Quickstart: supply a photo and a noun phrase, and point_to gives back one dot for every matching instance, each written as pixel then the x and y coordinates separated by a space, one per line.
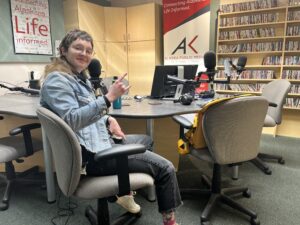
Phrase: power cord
pixel 64 211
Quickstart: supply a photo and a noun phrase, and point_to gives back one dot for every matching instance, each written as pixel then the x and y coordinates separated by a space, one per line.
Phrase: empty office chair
pixel 66 153
pixel 232 131
pixel 13 148
pixel 275 92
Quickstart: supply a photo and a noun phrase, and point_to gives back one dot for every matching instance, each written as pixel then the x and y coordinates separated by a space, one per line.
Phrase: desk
pixel 25 107
pixel 146 110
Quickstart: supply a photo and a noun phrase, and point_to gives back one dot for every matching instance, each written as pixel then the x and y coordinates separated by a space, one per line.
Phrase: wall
pixel 15 68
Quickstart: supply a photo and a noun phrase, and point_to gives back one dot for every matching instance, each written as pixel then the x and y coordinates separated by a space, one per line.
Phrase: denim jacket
pixel 74 101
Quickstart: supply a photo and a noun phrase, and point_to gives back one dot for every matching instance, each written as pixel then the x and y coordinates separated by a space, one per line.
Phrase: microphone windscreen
pixel 94 68
pixel 242 61
pixel 210 60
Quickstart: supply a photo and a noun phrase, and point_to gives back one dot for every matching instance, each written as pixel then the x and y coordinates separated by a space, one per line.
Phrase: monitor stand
pixel 179 90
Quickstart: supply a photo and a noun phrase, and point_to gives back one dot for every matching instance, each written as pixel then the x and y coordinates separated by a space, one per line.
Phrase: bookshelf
pixel 267 32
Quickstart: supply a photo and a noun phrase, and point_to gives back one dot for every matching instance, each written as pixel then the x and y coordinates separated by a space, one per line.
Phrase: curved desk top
pixel 19 105
pixel 149 108
pixel 25 106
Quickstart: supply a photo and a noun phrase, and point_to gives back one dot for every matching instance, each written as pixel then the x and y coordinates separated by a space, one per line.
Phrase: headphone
pixel 185 99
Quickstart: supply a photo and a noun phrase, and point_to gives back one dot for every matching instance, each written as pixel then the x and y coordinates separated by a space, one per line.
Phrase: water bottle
pixel 117 104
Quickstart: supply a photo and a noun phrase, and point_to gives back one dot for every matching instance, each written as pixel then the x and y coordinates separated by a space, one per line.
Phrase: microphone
pixel 240 66
pixel 210 62
pixel 94 69
pixel 210 65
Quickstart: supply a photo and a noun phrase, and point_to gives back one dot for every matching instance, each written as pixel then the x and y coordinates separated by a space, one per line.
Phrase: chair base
pixel 221 195
pixel 259 163
pixel 11 179
pixel 265 156
pixel 101 217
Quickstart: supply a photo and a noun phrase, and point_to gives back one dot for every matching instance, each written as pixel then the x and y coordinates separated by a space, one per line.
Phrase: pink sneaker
pixel 128 203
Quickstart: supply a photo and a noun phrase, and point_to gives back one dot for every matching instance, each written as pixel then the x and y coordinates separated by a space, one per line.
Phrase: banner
pixel 31 26
pixel 186 31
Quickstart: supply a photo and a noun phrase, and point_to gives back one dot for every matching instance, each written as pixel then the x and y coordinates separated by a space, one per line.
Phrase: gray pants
pixel 161 169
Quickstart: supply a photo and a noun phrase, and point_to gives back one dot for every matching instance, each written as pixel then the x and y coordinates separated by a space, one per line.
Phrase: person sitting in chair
pixel 67 92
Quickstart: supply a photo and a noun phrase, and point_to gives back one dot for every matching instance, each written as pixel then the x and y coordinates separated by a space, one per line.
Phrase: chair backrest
pixel 232 129
pixel 66 150
pixel 276 92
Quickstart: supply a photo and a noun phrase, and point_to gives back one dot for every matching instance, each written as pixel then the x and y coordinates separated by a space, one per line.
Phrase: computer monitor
pixel 164 88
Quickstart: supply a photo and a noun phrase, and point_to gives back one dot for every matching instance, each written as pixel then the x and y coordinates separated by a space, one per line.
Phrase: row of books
pixel 221 60
pixel 240 87
pixel 249 19
pixel 249 74
pixel 251 5
pixel 291 74
pixel 294 2
pixel 292 60
pixel 292 45
pixel 251 47
pixel 294 15
pixel 293 30
pixel 249 33
pixel 272 60
pixel 292 102
pixel 295 89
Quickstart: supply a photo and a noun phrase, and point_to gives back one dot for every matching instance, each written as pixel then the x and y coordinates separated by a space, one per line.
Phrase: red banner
pixel 176 12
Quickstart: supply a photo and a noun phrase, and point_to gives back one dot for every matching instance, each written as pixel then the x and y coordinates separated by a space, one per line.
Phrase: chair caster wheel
pixel 139 214
pixel 247 194
pixel 254 221
pixel 3 206
pixel 205 223
pixel 281 161
pixel 268 171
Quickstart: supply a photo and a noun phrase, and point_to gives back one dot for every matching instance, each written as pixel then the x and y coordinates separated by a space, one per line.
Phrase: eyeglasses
pixel 81 49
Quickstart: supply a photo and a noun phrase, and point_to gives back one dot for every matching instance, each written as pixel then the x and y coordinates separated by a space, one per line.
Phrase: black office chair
pixel 232 131
pixel 13 148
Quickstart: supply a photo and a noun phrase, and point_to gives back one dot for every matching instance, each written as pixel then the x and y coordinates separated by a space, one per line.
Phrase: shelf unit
pixel 265 36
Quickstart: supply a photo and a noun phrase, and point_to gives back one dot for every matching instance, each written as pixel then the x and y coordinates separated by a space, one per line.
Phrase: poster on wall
pixel 186 29
pixel 31 27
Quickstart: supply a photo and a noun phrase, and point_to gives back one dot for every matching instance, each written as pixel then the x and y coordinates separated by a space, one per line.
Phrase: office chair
pixel 66 153
pixel 275 92
pixel 231 137
pixel 13 148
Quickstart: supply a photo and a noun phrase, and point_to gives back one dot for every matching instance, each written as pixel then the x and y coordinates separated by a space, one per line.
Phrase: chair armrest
pixel 23 128
pixel 120 154
pixel 272 104
pixel 183 122
pixel 120 150
pixel 26 131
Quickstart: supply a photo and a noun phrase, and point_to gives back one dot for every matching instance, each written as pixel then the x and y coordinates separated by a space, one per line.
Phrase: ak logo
pixel 183 45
